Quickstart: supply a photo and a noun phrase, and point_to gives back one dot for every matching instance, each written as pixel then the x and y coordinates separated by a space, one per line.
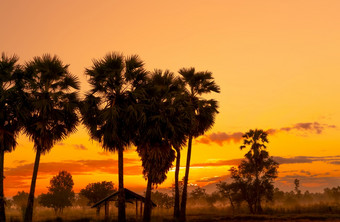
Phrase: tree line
pixel 158 112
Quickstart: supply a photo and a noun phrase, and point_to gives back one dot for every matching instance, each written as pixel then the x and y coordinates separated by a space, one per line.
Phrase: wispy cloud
pixel 233 162
pixel 314 127
pixel 76 146
pixel 79 147
pixel 236 137
pixel 18 178
pixel 281 160
pixel 214 179
pixel 77 167
pixel 220 138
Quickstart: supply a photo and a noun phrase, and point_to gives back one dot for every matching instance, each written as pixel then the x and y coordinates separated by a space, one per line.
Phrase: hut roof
pixel 129 195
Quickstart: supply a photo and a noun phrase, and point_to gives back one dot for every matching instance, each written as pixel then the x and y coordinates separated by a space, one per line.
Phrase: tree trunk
pixel 2 196
pixel 30 201
pixel 250 208
pixel 121 194
pixel 178 162
pixel 147 204
pixel 231 204
pixel 98 211
pixel 185 186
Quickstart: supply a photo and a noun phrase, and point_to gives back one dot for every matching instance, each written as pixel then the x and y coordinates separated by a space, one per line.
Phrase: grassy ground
pixel 164 215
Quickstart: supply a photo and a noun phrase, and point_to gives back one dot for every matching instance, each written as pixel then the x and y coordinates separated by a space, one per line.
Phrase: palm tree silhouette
pixel 202 114
pixel 53 109
pixel 10 114
pixel 109 110
pixel 256 139
pixel 162 127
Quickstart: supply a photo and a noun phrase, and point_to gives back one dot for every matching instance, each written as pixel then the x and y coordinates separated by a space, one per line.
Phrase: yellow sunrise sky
pixel 277 63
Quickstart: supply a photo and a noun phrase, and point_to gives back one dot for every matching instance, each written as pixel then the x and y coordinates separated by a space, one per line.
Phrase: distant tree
pixel 95 192
pixel 80 201
pixel 202 113
pixel 198 194
pixel 8 203
pixel 297 187
pixel 255 175
pixel 20 201
pixel 60 192
pixel 333 193
pixel 231 192
pixel 213 198
pixel 54 104
pixel 162 200
pixel 278 195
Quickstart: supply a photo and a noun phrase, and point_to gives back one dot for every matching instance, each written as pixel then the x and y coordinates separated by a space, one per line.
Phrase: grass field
pixel 193 215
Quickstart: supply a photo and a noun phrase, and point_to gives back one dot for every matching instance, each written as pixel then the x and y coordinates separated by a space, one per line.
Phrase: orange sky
pixel 277 63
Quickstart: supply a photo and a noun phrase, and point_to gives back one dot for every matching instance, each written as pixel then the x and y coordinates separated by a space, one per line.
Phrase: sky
pixel 277 63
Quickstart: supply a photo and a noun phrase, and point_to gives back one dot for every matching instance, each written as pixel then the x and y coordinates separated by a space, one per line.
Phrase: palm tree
pixel 162 127
pixel 202 113
pixel 109 110
pixel 256 139
pixel 10 113
pixel 53 109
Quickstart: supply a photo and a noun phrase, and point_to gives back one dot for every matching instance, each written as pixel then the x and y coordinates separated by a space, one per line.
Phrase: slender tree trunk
pixel 185 186
pixel 250 208
pixel 2 196
pixel 121 194
pixel 98 211
pixel 147 205
pixel 30 201
pixel 231 204
pixel 178 162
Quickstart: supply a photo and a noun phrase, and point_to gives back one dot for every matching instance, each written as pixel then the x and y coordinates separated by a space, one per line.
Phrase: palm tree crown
pixel 10 74
pixel 53 99
pixel 203 111
pixel 109 108
pixel 163 124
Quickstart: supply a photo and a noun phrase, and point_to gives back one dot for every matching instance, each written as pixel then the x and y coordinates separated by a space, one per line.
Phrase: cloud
pixel 297 159
pixel 308 159
pixel 234 162
pixel 19 177
pixel 214 179
pixel 220 138
pixel 311 127
pixel 280 160
pixel 79 147
pixel 76 146
pixel 77 167
pixel 236 137
pixel 104 153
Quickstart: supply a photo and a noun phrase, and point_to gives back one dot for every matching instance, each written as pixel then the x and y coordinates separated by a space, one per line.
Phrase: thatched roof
pixel 129 196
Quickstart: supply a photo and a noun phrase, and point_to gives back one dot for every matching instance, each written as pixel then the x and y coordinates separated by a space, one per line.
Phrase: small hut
pixel 130 197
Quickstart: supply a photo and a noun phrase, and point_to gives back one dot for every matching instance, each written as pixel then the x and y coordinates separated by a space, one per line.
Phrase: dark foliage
pixel 95 192
pixel 60 192
pixel 255 175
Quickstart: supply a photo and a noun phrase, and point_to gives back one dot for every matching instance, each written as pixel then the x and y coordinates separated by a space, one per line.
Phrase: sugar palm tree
pixel 53 109
pixel 163 126
pixel 10 114
pixel 202 112
pixel 256 139
pixel 109 110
